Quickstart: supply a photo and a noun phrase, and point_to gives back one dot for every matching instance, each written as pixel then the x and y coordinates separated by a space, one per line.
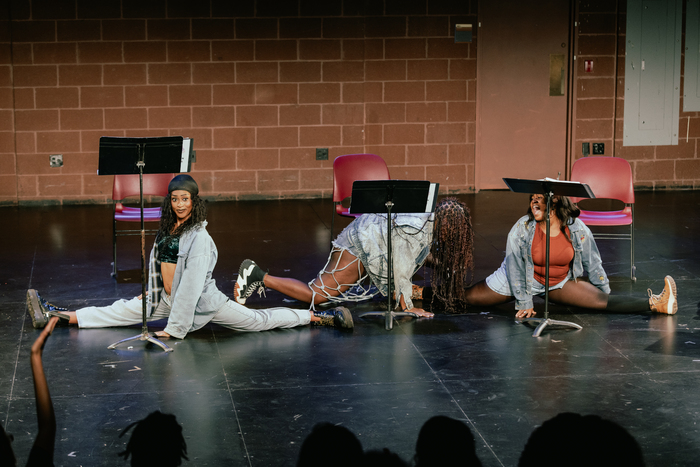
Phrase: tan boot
pixel 667 301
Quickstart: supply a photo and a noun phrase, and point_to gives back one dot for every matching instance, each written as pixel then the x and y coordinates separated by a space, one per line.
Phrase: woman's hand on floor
pixel 529 313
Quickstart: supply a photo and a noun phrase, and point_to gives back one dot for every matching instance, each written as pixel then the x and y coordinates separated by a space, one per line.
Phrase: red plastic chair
pixel 609 178
pixel 126 186
pixel 347 169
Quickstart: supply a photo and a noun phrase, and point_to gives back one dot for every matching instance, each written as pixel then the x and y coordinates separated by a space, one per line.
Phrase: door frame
pixel 571 75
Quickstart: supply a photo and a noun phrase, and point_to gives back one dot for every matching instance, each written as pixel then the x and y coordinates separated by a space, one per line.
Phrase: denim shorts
pixel 498 282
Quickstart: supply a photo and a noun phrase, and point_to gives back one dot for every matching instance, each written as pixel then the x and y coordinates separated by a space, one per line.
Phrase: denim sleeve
pixel 592 263
pixel 403 258
pixel 516 266
pixel 185 297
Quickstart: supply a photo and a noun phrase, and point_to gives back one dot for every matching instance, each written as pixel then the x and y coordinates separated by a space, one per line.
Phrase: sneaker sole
pixel 245 290
pixel 672 299
pixel 34 309
pixel 347 318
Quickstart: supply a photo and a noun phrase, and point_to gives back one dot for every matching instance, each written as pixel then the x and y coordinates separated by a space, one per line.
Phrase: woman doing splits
pixel 181 287
pixel 573 251
pixel 360 250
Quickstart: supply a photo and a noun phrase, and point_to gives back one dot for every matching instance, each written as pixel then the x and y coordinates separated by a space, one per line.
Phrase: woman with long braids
pixel 181 287
pixel 361 251
pixel 573 251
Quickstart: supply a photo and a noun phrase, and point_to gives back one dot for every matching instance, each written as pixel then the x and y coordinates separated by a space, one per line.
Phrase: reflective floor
pixel 250 399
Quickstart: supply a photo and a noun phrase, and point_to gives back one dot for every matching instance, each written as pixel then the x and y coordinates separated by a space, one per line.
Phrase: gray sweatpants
pixel 232 315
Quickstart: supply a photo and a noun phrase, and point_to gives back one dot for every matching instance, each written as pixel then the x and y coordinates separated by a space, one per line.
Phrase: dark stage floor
pixel 250 399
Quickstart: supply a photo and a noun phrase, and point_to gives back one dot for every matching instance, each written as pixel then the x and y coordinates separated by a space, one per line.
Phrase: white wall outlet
pixel 56 160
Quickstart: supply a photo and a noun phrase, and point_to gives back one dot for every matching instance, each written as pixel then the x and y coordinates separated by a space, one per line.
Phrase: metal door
pixel 522 90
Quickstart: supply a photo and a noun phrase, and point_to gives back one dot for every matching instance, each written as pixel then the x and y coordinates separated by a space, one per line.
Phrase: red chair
pixel 126 186
pixel 609 178
pixel 347 169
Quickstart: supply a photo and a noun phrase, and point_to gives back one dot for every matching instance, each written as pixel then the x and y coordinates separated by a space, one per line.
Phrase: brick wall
pixel 259 85
pixel 599 103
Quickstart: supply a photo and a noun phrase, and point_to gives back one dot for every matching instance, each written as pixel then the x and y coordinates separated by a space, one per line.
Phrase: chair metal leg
pixel 333 214
pixel 114 247
pixel 633 269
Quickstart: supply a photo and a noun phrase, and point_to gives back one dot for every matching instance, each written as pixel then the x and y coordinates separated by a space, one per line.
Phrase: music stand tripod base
pixel 544 322
pixel 144 336
pixel 389 316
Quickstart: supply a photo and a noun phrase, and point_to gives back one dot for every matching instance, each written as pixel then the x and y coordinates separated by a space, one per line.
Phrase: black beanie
pixel 183 182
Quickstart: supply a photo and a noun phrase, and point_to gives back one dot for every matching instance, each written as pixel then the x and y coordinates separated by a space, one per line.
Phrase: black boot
pixel 40 310
pixel 339 317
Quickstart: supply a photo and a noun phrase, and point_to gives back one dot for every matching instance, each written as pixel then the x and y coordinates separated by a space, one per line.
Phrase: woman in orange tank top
pixel 573 255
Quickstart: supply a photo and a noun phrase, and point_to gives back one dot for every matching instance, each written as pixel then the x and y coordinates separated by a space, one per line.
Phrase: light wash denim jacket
pixel 521 270
pixel 411 236
pixel 194 295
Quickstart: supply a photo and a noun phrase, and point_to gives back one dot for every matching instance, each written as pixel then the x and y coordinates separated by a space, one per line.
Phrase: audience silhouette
pixel 442 441
pixel 7 455
pixel 156 440
pixel 576 441
pixel 446 442
pixel 328 444
pixel 43 448
pixel 382 458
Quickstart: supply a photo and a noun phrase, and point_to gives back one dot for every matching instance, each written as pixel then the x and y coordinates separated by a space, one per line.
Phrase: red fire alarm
pixel 588 66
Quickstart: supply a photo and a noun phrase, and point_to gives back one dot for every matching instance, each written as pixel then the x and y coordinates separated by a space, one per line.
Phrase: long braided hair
pixel 453 253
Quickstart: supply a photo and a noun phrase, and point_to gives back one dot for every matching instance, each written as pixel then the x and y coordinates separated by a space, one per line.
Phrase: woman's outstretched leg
pixel 480 294
pixel 341 272
pixel 583 294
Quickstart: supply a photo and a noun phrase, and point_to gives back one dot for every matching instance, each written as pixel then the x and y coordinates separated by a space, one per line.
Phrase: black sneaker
pixel 49 306
pixel 339 317
pixel 36 310
pixel 250 279
pixel 40 310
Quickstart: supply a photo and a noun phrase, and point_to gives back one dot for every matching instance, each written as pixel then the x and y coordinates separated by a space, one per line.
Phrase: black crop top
pixel 168 248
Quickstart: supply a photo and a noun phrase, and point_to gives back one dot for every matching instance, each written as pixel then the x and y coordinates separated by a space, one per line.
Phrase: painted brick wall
pixel 599 103
pixel 259 85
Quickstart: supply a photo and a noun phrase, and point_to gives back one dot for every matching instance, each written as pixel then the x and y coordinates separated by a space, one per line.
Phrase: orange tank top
pixel 561 253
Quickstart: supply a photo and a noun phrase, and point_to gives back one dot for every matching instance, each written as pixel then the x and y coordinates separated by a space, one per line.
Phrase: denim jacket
pixel 521 270
pixel 411 236
pixel 194 295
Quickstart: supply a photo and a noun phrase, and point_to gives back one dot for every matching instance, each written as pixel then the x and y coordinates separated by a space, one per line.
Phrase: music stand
pixel 126 156
pixel 399 197
pixel 549 187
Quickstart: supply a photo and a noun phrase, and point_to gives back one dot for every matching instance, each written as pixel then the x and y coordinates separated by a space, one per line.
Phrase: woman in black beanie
pixel 180 283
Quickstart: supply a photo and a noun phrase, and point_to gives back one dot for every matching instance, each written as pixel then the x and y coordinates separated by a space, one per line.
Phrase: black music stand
pixel 126 156
pixel 549 187
pixel 399 197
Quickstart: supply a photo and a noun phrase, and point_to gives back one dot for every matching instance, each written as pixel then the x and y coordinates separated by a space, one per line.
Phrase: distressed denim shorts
pixel 498 282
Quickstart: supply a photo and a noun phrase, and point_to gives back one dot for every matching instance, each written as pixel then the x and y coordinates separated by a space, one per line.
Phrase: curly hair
pixel 168 219
pixel 565 210
pixel 158 436
pixel 453 253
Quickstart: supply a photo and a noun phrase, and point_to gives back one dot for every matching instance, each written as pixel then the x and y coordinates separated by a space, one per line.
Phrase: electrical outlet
pixel 56 160
pixel 598 148
pixel 321 154
pixel 586 149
